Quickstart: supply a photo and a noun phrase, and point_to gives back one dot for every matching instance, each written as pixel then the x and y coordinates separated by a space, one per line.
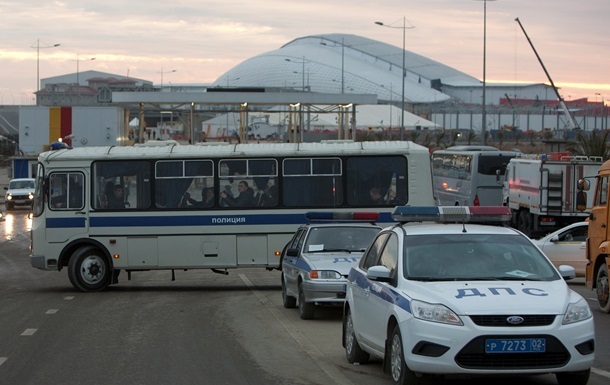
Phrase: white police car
pixel 19 192
pixel 315 263
pixel 439 299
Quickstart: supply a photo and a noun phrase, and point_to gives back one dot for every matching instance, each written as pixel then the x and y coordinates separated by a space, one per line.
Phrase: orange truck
pixel 598 241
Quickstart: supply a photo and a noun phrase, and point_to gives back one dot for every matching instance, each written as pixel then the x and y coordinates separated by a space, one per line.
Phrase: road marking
pixel 3 360
pixel 52 311
pixel 29 332
pixel 600 372
pixel 335 374
pixel 69 298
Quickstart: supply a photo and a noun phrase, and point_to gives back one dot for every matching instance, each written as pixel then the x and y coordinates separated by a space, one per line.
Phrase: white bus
pixel 470 175
pixel 100 210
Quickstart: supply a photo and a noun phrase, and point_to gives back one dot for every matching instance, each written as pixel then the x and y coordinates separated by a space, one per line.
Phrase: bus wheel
pixel 89 270
pixel 602 289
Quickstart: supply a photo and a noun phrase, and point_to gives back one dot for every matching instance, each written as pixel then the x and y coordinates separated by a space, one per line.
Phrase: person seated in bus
pixel 207 199
pixel 266 197
pixel 378 199
pixel 117 199
pixel 244 199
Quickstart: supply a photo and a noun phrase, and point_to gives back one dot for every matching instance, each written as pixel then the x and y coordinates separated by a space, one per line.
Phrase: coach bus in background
pixel 470 175
pixel 218 206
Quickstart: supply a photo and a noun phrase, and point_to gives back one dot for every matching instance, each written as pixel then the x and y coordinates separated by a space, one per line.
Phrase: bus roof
pixel 171 150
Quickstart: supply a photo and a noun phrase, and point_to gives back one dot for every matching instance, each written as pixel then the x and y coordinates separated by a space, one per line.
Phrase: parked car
pixel 315 263
pixel 19 192
pixel 566 246
pixel 454 299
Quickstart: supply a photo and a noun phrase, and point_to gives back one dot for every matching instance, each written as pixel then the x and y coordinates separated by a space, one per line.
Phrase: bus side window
pixel 67 191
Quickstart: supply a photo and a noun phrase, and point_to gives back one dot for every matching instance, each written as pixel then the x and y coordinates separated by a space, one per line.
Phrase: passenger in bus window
pixel 244 199
pixel 117 199
pixel 207 199
pixel 378 199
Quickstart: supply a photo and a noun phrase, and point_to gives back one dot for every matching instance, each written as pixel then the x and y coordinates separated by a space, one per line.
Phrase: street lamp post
pixel 342 64
pixel 303 70
pixel 483 110
pixel 78 59
pixel 164 72
pixel 38 47
pixel 402 106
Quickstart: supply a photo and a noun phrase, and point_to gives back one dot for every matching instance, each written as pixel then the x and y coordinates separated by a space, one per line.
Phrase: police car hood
pixel 493 297
pixel 340 262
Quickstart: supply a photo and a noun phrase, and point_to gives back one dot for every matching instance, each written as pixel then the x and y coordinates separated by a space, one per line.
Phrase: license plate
pixel 19 201
pixel 515 345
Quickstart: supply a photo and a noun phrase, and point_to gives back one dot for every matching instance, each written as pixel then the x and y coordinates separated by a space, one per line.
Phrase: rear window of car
pixel 474 257
pixel 339 238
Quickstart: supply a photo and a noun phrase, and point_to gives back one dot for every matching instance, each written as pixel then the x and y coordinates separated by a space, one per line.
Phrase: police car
pixel 19 192
pixel 436 299
pixel 315 263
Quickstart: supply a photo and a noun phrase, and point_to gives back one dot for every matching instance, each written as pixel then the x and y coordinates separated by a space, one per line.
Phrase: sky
pixel 195 41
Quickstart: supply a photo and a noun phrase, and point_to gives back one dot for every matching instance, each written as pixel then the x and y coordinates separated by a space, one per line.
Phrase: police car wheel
pixel 306 309
pixel 401 374
pixel 289 302
pixel 573 378
pixel 353 351
pixel 603 289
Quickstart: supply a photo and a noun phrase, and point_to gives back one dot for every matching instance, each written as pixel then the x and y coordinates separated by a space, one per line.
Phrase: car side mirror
pixel 379 273
pixel 292 252
pixel 581 200
pixel 567 272
pixel 555 239
pixel 583 185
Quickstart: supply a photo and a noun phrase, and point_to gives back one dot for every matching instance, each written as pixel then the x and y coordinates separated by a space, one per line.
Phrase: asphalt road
pixel 202 328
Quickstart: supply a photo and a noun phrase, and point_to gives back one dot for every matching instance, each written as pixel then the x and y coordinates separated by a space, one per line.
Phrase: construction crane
pixel 571 122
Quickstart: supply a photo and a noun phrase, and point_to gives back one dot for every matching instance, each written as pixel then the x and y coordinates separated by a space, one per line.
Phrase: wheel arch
pixel 599 261
pixel 66 253
pixel 392 323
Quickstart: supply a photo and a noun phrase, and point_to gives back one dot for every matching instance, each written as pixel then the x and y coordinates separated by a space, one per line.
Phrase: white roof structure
pixel 343 63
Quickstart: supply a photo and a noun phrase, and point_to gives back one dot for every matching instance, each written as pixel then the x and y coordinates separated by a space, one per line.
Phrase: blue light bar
pixel 446 214
pixel 341 216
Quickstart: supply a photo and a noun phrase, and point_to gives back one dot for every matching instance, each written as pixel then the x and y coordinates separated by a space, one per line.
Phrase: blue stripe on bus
pixel 198 220
pixel 188 220
pixel 59 223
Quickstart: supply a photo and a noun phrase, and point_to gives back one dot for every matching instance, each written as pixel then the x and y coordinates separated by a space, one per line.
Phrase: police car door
pixel 383 294
pixel 366 304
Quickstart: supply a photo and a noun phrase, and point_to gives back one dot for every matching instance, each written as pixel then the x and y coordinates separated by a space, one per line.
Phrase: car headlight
pixel 434 313
pixel 9 197
pixel 324 274
pixel 577 311
pixel 30 196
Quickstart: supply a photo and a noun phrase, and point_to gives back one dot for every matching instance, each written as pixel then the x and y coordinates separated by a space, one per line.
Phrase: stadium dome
pixel 336 63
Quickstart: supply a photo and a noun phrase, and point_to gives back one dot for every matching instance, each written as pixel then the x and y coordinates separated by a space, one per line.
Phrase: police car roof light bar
pixel 461 214
pixel 341 216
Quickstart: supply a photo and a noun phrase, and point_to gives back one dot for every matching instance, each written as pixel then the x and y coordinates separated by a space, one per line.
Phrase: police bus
pixel 470 175
pixel 164 206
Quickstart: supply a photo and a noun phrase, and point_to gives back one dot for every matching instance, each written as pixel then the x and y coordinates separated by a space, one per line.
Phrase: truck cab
pixel 598 242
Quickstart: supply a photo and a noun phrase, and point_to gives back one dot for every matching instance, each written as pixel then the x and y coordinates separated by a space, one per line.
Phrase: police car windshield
pixel 339 238
pixel 468 257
